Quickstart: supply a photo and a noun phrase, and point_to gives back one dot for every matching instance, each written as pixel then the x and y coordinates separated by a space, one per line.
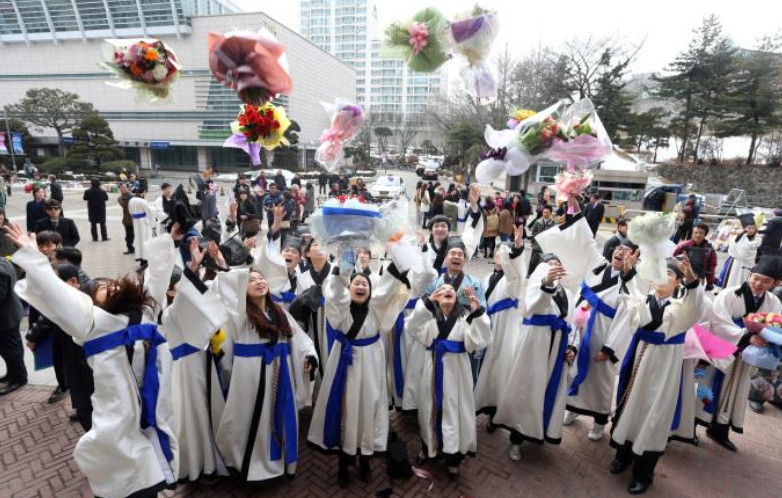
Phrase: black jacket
pixel 11 311
pixel 772 236
pixel 594 215
pixel 56 191
pixel 35 213
pixel 96 204
pixel 65 227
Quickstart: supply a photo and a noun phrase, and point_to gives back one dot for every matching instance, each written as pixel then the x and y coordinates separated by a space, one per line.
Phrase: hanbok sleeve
pixel 337 298
pixel 421 279
pixel 301 347
pixel 151 212
pixel 575 246
pixel 231 286
pixel 721 320
pixel 157 277
pixel 196 312
pixel 513 266
pixel 537 301
pixel 417 324
pixel 69 308
pixel 389 298
pixel 478 334
pixel 473 231
pixel 622 328
pixel 681 315
pixel 267 257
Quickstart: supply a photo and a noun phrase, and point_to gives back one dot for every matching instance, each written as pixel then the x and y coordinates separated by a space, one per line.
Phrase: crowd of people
pixel 197 365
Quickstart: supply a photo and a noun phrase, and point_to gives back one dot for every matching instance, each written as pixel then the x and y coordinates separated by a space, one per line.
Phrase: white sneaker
pixel 515 452
pixel 570 417
pixel 596 433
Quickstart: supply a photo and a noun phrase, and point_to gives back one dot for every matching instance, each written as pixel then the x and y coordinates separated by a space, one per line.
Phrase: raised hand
pixel 474 196
pixel 18 236
pixel 630 260
pixel 196 255
pixel 518 236
pixel 555 273
pixel 216 254
pixel 686 267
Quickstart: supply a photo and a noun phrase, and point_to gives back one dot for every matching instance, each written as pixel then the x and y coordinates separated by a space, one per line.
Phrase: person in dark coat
pixel 11 314
pixel 323 181
pixel 279 180
pixel 55 189
pixel 56 223
pixel 127 220
pixel 594 212
pixel 96 199
pixel 36 208
pixel 772 236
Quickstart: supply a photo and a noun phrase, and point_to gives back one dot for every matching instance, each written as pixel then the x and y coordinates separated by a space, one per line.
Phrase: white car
pixel 387 187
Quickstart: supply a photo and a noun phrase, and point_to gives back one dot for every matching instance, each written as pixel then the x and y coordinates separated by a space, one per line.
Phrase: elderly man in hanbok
pixel 730 379
pixel 131 449
pixel 503 297
pixel 600 284
pixel 532 406
pixel 649 391
pixel 742 253
pixel 143 214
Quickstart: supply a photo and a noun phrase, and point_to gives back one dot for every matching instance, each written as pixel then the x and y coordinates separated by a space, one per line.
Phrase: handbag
pixel 492 222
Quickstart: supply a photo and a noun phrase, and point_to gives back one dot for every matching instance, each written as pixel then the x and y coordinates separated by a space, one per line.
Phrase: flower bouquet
pixel 756 322
pixel 147 65
pixel 519 116
pixel 252 64
pixel 346 121
pixel 766 357
pixel 506 156
pixel 652 233
pixel 538 131
pixel 582 316
pixel 421 42
pixel 472 38
pixel 256 127
pixel 583 139
pixel 572 183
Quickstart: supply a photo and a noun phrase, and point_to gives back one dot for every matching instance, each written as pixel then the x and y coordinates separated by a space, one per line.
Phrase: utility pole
pixel 10 139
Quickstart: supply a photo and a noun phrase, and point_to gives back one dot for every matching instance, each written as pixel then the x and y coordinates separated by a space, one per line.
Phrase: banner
pixel 3 148
pixel 16 140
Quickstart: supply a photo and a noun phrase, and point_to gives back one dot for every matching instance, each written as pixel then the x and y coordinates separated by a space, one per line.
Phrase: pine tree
pixel 612 102
pixel 94 141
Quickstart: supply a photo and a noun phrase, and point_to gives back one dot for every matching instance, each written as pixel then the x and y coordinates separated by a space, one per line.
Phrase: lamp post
pixel 10 138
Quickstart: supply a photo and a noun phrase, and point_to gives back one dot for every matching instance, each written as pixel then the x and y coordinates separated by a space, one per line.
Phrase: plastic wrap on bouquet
pixel 519 115
pixel 421 42
pixel 472 38
pixel 585 139
pixel 506 156
pixel 537 132
pixel 346 121
pixel 343 222
pixel 258 127
pixel 766 357
pixel 572 183
pixel 146 65
pixel 252 64
pixel 652 233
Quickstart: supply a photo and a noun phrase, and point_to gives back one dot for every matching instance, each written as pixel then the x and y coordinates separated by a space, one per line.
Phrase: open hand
pixel 18 236
pixel 686 267
pixel 474 196
pixel 630 260
pixel 758 341
pixel 554 274
pixel 518 237
pixel 196 255
pixel 216 254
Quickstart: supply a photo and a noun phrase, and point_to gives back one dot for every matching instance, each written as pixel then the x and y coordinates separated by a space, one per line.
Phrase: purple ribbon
pixel 238 141
pixel 498 154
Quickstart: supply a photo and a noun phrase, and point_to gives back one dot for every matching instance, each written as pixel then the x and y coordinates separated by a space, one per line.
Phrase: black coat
pixel 772 237
pixel 35 213
pixel 594 215
pixel 11 311
pixel 56 191
pixel 96 204
pixel 66 228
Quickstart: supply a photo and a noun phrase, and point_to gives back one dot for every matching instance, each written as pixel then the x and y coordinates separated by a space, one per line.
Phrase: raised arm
pixel 540 289
pixel 479 334
pixel 337 297
pixel 512 264
pixel 195 314
pixel 157 277
pixel 389 298
pixel 574 245
pixel 417 324
pixel 231 286
pixel 268 258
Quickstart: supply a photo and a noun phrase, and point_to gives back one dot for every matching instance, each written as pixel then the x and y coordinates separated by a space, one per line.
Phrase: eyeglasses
pixel 53 208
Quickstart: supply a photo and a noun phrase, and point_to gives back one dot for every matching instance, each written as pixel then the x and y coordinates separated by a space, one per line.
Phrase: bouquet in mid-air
pixel 652 233
pixel 422 42
pixel 147 65
pixel 258 127
pixel 346 121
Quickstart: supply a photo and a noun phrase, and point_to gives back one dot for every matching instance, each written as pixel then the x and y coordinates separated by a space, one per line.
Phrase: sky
pixel 664 26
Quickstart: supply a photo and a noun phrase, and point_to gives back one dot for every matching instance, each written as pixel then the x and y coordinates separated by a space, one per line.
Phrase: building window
pixel 546 173
pixel 176 157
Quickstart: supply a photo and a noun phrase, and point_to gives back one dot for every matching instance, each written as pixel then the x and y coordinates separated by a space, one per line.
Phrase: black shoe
pixel 453 474
pixel 756 407
pixel 129 251
pixel 73 416
pixel 58 394
pixel 365 469
pixel 696 440
pixel 617 466
pixel 421 458
pixel 4 378
pixel 106 239
pixel 490 427
pixel 721 440
pixel 11 387
pixel 637 488
pixel 342 477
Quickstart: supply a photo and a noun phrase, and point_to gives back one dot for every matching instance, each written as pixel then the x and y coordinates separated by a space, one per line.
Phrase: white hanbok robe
pixel 246 393
pixel 364 400
pixel 686 430
pixel 282 284
pixel 161 217
pixel 540 353
pixel 457 420
pixel 118 457
pixel 647 407
pixel 505 325
pixel 189 323
pixel 143 214
pixel 742 252
pixel 575 246
pixel 730 378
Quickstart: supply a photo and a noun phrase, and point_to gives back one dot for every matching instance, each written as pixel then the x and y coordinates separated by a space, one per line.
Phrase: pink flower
pixel 148 76
pixel 418 36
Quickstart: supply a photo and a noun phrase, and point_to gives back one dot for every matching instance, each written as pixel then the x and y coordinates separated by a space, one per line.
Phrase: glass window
pixel 546 173
pixel 176 157
pixel 63 17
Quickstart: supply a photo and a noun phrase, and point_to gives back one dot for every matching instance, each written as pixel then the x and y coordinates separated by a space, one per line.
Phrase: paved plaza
pixel 37 439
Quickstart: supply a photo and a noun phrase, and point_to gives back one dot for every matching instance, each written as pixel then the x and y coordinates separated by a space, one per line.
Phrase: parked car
pixel 388 187
pixel 428 170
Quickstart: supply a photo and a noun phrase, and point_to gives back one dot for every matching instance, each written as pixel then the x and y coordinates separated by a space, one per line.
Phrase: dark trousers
pixel 58 355
pixel 321 189
pixel 94 230
pixel 129 237
pixel 80 381
pixel 643 466
pixel 12 354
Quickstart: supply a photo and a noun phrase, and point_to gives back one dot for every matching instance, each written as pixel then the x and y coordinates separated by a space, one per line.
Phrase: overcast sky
pixel 665 25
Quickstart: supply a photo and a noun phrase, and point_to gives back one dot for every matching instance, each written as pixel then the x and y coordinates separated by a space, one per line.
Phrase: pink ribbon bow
pixel 418 36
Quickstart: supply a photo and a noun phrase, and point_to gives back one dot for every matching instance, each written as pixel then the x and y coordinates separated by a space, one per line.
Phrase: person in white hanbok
pixel 503 297
pixel 446 413
pixel 190 323
pixel 280 262
pixel 131 449
pixel 649 395
pixel 601 283
pixel 351 413
pixel 272 358
pixel 143 214
pixel 730 378
pixel 742 251
pixel 163 206
pixel 532 406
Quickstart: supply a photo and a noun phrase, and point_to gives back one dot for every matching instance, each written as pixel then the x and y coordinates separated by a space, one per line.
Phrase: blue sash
pixel 332 429
pixel 462 220
pixel 138 216
pixel 556 323
pixel 151 383
pixel 724 273
pixel 584 355
pixel 183 350
pixel 286 297
pixel 284 415
pixel 739 322
pixel 716 387
pixel 440 347
pixel 502 305
pixel 399 327
pixel 650 337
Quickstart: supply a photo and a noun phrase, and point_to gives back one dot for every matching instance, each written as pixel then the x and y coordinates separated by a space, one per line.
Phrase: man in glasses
pixel 56 223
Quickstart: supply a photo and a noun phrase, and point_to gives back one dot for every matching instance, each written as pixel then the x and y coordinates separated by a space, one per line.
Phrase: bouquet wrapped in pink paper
pixel 346 121
pixel 252 64
pixel 583 140
pixel 147 65
pixel 472 38
pixel 572 183
pixel 422 42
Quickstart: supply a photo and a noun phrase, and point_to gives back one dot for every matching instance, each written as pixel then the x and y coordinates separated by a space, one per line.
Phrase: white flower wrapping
pixel 652 232
pixel 512 160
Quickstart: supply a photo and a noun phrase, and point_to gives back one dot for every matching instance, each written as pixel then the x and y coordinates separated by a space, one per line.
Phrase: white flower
pixel 160 72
